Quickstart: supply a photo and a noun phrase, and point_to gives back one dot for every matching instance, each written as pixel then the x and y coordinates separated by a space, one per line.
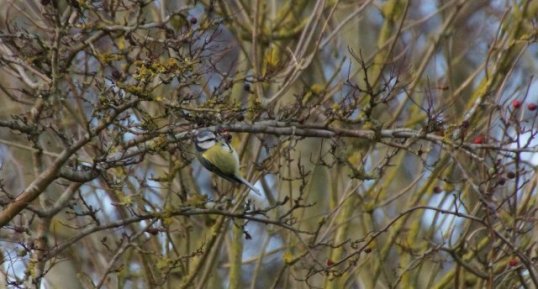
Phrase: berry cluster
pixel 516 104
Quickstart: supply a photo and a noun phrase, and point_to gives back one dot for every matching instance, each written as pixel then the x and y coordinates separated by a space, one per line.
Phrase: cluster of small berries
pixel 516 104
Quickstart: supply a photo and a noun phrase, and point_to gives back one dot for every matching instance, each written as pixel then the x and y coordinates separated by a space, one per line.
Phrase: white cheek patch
pixel 206 144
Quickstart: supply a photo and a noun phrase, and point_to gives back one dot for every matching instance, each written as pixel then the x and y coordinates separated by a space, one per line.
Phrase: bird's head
pixel 204 140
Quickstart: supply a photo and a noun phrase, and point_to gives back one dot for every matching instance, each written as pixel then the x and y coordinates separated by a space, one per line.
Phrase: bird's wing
pixel 213 156
pixel 231 172
pixel 209 165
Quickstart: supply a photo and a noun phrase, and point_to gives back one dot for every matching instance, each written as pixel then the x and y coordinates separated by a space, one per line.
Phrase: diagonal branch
pixel 51 173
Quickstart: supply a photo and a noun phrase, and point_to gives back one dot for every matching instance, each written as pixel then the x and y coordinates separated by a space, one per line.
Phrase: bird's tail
pixel 246 183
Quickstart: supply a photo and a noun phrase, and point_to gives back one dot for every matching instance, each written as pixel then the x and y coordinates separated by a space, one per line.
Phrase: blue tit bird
pixel 217 155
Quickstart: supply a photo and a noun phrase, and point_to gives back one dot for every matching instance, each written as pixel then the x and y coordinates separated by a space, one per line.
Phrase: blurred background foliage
pixel 394 142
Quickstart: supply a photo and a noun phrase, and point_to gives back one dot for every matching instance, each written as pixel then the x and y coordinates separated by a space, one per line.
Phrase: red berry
pixel 153 231
pixel 330 262
pixel 437 190
pixel 532 106
pixel 513 262
pixel 193 20
pixel 516 103
pixel 19 229
pixel 479 139
pixel 116 75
